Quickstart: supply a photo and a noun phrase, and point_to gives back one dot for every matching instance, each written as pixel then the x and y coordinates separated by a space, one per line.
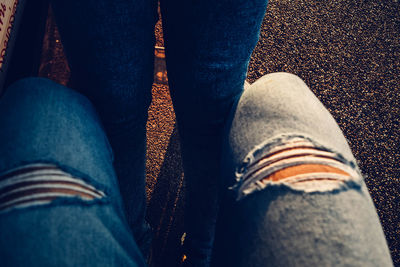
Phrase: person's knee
pixel 277 90
pixel 297 163
pixel 281 103
pixel 40 184
pixel 272 114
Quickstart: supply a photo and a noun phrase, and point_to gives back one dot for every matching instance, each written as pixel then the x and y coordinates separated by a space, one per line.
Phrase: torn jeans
pixel 59 199
pixel 294 195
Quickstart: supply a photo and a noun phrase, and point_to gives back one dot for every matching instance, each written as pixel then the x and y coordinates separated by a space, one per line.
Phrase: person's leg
pixel 110 49
pixel 208 47
pixel 59 199
pixel 297 197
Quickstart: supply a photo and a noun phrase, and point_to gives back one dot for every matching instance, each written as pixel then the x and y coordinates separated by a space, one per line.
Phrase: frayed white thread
pixel 38 184
pixel 289 151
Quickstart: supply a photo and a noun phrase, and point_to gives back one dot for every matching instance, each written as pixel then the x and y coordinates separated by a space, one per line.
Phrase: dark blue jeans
pixel 109 45
pixel 292 191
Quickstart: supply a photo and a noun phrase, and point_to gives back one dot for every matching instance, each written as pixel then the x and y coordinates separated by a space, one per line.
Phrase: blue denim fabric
pixel 109 45
pixel 110 49
pixel 280 225
pixel 208 48
pixel 42 122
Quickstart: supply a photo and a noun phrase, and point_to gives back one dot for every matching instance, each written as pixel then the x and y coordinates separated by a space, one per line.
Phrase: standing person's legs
pixel 208 47
pixel 110 48
pixel 59 199
pixel 297 196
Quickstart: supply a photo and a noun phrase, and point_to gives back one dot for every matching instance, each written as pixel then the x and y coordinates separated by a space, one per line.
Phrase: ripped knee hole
pixel 296 163
pixel 39 184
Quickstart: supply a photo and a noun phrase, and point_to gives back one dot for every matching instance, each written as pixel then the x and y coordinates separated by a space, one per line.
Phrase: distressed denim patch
pixel 297 163
pixel 40 184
